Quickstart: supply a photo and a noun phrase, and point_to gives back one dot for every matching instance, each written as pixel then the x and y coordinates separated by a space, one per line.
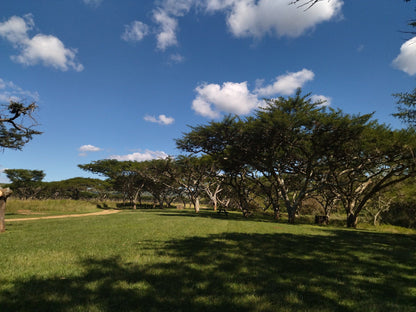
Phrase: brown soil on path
pixel 100 213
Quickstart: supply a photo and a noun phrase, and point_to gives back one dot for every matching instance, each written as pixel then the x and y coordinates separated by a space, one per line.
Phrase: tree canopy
pixel 17 125
pixel 301 148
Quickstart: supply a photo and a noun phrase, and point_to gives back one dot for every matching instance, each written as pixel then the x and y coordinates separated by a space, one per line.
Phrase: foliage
pixel 379 158
pixel 132 178
pixel 25 183
pixel 406 106
pixel 191 174
pixel 14 129
pixel 401 214
pixel 76 188
pixel 293 149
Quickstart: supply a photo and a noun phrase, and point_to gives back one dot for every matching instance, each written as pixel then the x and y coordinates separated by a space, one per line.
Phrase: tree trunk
pixel 291 216
pixel 351 220
pixel 276 213
pixel 196 204
pixel 2 214
pixel 4 193
pixel 136 195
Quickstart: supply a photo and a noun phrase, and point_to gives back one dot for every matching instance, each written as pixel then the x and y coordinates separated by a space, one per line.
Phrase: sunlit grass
pixel 17 208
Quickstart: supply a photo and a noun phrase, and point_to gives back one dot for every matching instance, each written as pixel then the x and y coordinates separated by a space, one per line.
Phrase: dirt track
pixel 100 213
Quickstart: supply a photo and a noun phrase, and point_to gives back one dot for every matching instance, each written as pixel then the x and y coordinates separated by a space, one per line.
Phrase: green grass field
pixel 40 208
pixel 175 260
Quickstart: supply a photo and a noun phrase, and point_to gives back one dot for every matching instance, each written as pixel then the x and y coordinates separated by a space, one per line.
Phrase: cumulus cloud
pixel 135 31
pixel 406 60
pixel 84 149
pixel 45 49
pixel 251 18
pixel 138 156
pixel 231 97
pixel 162 119
pixel 10 91
pixel 286 84
pixel 324 100
pixel 168 25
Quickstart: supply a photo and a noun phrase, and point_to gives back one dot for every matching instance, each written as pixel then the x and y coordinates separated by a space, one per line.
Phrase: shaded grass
pixel 169 260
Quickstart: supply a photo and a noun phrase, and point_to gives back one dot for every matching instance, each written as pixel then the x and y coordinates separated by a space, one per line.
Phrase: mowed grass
pixel 175 260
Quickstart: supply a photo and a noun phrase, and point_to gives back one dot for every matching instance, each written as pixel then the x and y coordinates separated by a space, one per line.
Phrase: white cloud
pixel 166 17
pixel 89 148
pixel 178 7
pixel 93 3
pixel 245 18
pixel 286 84
pixel 10 91
pixel 231 97
pixel 325 100
pixel 251 18
pixel 15 29
pixel 146 155
pixel 135 31
pixel 212 99
pixel 406 60
pixel 176 58
pixel 45 49
pixel 162 119
pixel 84 149
pixel 167 33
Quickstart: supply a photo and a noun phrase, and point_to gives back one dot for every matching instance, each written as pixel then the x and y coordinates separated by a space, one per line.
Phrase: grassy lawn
pixel 170 260
pixel 40 208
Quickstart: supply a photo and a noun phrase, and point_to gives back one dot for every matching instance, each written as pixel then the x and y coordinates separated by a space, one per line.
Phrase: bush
pixel 401 214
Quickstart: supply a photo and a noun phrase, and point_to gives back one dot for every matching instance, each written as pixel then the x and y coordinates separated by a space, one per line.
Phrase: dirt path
pixel 100 213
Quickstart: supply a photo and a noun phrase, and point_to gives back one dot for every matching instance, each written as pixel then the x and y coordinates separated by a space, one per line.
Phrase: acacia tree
pixel 26 183
pixel 224 142
pixel 406 106
pixel 379 158
pixel 302 148
pixel 17 125
pixel 126 177
pixel 191 173
pixel 159 181
pixel 16 129
pixel 76 188
pixel 283 147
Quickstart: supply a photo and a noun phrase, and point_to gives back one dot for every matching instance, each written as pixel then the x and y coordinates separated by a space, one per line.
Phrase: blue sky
pixel 123 79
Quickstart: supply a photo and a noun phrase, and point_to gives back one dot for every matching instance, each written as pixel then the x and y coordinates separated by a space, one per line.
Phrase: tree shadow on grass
pixel 232 215
pixel 342 271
